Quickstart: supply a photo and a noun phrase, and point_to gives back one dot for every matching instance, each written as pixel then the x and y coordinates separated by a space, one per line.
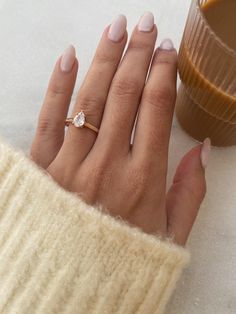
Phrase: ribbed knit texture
pixel 59 255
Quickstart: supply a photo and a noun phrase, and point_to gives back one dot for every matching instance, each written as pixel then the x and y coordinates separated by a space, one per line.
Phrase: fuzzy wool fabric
pixel 59 255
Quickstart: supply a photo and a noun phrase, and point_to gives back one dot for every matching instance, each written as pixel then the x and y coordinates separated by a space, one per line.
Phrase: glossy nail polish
pixel 117 28
pixel 68 59
pixel 146 22
pixel 167 44
pixel 205 152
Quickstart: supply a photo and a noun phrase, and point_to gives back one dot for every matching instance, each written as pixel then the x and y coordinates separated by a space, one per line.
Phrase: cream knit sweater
pixel 59 255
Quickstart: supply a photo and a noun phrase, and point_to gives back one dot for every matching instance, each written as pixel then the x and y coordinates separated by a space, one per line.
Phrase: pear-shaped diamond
pixel 79 120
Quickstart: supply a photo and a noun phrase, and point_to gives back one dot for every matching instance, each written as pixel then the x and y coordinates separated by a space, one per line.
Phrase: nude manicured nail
pixel 117 28
pixel 205 153
pixel 68 59
pixel 146 22
pixel 167 44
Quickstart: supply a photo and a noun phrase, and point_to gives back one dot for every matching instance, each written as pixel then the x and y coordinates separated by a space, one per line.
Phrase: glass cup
pixel 206 100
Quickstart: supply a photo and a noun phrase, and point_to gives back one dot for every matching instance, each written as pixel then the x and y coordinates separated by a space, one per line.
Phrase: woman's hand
pixel 127 180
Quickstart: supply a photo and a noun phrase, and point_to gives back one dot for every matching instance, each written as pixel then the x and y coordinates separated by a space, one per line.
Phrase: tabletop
pixel 32 35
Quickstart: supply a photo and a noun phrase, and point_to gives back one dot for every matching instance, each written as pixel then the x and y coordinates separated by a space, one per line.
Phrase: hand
pixel 127 180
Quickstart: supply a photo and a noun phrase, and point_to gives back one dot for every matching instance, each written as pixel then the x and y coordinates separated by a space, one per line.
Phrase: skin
pixel 104 168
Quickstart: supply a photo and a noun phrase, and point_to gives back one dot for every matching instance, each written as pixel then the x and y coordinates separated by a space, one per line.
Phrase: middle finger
pixel 126 88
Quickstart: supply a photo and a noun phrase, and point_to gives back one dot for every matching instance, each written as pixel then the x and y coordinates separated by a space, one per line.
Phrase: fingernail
pixel 146 22
pixel 117 28
pixel 205 152
pixel 68 59
pixel 167 44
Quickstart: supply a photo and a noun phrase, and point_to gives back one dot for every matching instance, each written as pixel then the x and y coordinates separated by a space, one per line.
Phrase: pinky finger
pixel 51 127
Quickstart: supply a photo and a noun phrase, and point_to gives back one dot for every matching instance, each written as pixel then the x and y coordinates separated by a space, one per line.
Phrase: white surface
pixel 32 35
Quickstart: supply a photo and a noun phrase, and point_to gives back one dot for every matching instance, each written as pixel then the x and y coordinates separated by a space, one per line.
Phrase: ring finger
pixel 93 93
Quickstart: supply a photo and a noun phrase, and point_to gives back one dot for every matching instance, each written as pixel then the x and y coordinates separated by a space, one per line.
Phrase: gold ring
pixel 79 121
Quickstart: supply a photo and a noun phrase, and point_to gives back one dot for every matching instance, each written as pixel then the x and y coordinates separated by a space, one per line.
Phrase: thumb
pixel 187 192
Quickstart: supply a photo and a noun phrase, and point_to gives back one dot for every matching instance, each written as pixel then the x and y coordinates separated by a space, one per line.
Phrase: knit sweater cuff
pixel 59 255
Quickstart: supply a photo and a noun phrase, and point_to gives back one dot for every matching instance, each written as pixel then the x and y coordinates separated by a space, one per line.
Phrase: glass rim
pixel 221 43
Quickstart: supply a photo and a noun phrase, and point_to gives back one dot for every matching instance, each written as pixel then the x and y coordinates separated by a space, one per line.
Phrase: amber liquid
pixel 221 15
pixel 203 109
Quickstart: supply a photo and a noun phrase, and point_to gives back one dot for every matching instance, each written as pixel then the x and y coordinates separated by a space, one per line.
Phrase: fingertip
pixel 68 59
pixel 166 53
pixel 166 44
pixel 205 152
pixel 117 29
pixel 120 39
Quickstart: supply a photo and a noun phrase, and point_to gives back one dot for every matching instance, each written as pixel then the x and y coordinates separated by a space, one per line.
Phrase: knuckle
pixel 47 127
pixel 165 58
pixel 57 90
pixel 160 96
pixel 125 87
pixel 140 45
pixel 105 58
pixel 91 104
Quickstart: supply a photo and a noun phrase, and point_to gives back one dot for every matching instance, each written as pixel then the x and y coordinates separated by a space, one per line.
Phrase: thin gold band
pixel 91 127
pixel 68 121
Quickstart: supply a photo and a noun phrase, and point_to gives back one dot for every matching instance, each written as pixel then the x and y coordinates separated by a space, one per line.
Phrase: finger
pixel 127 85
pixel 152 133
pixel 186 193
pixel 93 92
pixel 50 130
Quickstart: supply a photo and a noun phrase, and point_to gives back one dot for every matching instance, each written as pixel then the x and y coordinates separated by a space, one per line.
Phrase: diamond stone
pixel 79 120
